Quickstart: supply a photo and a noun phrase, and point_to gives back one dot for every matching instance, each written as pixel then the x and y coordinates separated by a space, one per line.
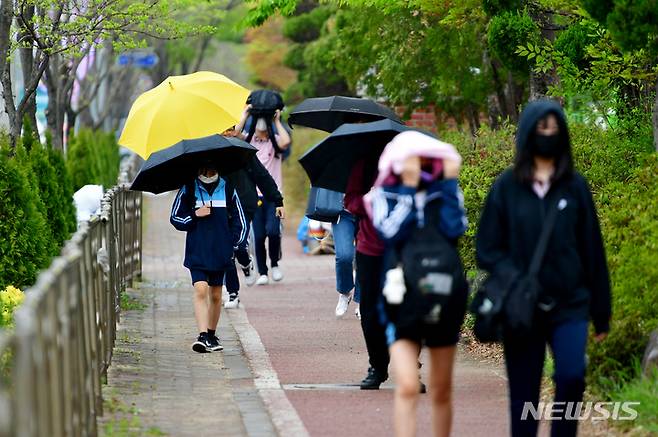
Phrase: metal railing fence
pixel 54 361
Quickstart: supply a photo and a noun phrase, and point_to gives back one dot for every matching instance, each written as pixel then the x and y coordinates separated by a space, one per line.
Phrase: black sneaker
pixel 373 380
pixel 201 344
pixel 214 345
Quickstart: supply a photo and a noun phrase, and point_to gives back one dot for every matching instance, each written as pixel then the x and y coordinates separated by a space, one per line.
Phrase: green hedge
pixel 24 246
pixel 37 214
pixel 621 169
pixel 93 158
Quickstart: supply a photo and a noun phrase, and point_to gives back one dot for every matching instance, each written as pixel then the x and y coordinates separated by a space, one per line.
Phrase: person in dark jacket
pixel 424 191
pixel 209 210
pixel 573 275
pixel 369 264
pixel 245 182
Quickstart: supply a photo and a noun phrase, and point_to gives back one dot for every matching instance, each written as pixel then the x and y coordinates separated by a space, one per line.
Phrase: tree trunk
pixel 655 118
pixel 27 65
pixel 540 82
pixel 55 109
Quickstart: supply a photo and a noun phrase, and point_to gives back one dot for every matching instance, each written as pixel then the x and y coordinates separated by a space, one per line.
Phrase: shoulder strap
pixel 542 244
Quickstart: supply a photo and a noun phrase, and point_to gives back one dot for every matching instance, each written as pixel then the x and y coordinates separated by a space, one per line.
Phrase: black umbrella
pixel 171 168
pixel 328 113
pixel 329 163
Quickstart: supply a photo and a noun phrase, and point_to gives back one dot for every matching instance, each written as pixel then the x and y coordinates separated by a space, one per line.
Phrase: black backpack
pixel 433 274
pixel 264 103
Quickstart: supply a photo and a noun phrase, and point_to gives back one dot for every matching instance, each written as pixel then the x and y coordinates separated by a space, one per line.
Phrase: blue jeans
pixel 267 225
pixel 344 235
pixel 525 364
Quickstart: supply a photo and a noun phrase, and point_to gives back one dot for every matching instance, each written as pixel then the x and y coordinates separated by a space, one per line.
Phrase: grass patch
pixel 642 389
pixel 130 303
pixel 124 420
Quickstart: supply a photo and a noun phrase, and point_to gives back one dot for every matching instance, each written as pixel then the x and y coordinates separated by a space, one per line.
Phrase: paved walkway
pixel 289 367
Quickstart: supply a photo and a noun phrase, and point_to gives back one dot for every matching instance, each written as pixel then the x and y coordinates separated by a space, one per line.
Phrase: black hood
pixel 534 112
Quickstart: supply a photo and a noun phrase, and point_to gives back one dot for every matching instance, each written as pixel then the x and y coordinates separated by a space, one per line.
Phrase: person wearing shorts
pixel 417 183
pixel 209 210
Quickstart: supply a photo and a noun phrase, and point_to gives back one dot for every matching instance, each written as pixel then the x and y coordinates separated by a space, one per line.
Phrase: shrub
pixel 24 246
pixel 65 188
pixel 93 158
pixel 80 162
pixel 507 31
pixel 57 206
pixel 10 298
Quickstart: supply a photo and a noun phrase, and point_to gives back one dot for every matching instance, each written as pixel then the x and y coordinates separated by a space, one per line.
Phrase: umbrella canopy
pixel 329 163
pixel 328 113
pixel 181 108
pixel 173 167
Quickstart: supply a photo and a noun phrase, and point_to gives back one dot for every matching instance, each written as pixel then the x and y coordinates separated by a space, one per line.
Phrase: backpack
pixel 264 103
pixel 433 273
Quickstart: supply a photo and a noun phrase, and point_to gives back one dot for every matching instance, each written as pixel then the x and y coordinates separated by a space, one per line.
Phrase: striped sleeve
pixel 238 221
pixel 393 213
pixel 182 216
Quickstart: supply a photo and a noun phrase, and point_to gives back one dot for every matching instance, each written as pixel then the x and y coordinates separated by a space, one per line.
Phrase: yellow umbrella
pixel 180 108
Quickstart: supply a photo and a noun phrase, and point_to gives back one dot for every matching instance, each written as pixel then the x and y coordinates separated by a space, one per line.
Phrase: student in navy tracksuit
pixel 426 189
pixel 209 210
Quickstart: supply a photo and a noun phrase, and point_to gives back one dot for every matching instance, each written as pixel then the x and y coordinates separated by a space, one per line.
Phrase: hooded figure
pixel 573 273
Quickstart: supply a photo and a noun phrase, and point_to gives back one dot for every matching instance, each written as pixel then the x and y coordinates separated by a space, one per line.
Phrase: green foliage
pixel 26 242
pixel 484 158
pixel 642 389
pixel 51 194
pixel 306 27
pixel 508 31
pixel 598 9
pixel 495 7
pixel 30 137
pixel 573 42
pixel 64 188
pixel 633 24
pixel 10 298
pixel 93 158
pixel 262 10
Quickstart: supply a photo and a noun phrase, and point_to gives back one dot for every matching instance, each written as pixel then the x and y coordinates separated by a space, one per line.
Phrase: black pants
pixel 525 362
pixel 242 256
pixel 369 277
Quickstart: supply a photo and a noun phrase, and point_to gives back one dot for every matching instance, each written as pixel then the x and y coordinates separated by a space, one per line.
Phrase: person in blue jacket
pixel 209 210
pixel 425 190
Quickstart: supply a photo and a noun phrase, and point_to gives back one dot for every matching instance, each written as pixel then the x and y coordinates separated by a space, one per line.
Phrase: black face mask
pixel 547 146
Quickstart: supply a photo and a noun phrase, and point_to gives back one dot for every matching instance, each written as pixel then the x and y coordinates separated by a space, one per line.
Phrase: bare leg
pixel 404 358
pixel 440 389
pixel 201 305
pixel 215 306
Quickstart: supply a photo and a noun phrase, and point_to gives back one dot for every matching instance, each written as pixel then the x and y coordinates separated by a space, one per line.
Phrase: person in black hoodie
pixel 245 181
pixel 573 274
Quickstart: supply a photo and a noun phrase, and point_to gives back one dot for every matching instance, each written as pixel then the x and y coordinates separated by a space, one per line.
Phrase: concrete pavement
pixel 288 368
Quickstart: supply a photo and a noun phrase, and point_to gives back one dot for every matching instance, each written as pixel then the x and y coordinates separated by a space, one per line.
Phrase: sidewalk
pixel 288 368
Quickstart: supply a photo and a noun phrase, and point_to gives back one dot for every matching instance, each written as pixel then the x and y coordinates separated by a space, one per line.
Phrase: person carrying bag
pixel 540 242
pixel 509 303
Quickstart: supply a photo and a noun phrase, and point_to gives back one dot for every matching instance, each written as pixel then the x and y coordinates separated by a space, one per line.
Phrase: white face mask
pixel 261 125
pixel 208 179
